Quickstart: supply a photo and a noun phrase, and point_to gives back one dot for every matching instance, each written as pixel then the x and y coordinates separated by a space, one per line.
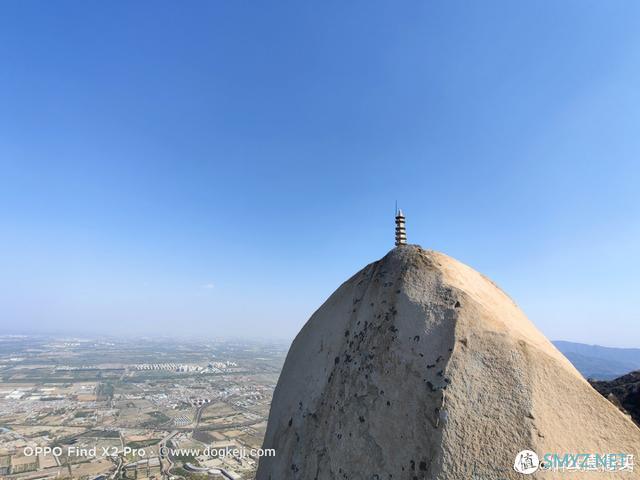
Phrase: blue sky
pixel 219 168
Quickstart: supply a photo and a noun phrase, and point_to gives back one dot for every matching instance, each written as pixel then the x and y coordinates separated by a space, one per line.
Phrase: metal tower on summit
pixel 401 232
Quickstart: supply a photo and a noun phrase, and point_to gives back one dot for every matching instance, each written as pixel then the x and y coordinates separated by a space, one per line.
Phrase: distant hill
pixel 623 392
pixel 600 363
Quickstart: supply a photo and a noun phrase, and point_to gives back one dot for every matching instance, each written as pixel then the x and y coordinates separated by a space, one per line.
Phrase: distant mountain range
pixel 600 363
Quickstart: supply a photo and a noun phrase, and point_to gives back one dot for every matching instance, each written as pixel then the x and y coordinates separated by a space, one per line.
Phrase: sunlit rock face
pixel 419 367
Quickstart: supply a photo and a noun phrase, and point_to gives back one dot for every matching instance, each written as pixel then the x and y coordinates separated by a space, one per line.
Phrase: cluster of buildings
pixel 215 367
pixel 116 396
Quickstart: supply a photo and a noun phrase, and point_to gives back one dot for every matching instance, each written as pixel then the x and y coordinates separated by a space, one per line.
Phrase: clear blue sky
pixel 220 167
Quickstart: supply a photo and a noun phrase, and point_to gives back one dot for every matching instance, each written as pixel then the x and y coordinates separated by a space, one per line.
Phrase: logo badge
pixel 527 462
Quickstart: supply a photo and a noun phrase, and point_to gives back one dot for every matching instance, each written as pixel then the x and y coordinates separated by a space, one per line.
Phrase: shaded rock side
pixel 419 367
pixel 623 392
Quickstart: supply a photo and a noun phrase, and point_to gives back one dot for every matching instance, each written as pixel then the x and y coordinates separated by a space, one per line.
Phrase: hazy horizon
pixel 199 339
pixel 221 168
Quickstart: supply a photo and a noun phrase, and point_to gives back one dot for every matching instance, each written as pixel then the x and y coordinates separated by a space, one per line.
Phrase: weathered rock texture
pixel 419 367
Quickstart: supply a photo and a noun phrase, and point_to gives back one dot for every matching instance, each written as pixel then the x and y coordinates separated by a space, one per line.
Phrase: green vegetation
pixel 143 443
pixel 180 472
pixel 101 434
pixel 83 414
pixel 184 458
pixel 104 391
pixel 190 475
pixel 157 418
